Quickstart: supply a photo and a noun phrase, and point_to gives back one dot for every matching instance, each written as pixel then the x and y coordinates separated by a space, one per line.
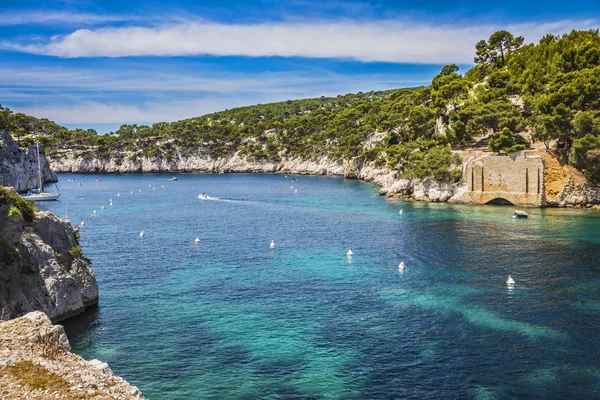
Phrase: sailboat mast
pixel 39 167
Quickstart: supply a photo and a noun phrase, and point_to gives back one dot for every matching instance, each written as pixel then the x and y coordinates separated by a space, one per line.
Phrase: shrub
pixel 26 207
pixel 76 252
pixel 14 212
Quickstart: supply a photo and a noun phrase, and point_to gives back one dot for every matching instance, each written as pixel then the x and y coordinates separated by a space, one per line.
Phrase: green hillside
pixel 549 91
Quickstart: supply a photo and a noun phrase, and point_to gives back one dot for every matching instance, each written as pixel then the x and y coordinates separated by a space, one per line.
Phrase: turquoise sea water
pixel 231 318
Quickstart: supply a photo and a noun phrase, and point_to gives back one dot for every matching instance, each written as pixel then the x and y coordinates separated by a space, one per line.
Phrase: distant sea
pixel 231 318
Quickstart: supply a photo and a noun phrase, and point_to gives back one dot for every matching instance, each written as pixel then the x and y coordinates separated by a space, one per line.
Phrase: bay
pixel 230 318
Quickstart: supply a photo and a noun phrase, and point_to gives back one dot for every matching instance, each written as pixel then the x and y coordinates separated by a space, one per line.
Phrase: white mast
pixel 39 167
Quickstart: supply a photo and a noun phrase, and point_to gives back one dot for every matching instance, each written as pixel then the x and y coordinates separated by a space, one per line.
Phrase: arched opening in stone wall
pixel 500 201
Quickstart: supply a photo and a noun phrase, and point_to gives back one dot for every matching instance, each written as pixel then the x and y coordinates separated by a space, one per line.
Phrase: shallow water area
pixel 231 318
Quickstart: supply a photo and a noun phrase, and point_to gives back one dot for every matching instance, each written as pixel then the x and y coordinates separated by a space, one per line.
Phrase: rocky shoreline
pixel 42 267
pixel 389 181
pixel 36 363
pixel 571 193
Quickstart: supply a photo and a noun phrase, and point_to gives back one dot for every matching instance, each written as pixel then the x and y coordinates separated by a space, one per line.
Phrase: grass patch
pixel 35 377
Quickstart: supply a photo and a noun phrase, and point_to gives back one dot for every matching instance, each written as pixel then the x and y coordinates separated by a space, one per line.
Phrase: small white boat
pixel 95 212
pixel 197 241
pixel 82 223
pixel 173 178
pixel 102 208
pixel 400 212
pixel 39 194
pixel 118 194
pixel 42 196
pixel 67 220
pixel 401 266
pixel 142 234
pixel 510 281
pixel 272 245
pixel 350 253
pixel 149 185
pixel 131 192
pixel 520 214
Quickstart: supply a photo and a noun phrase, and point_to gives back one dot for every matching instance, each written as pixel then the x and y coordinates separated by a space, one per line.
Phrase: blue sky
pixel 99 64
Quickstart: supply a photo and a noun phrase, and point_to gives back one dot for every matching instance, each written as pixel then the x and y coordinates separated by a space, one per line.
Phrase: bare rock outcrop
pixel 19 167
pixel 41 266
pixel 36 363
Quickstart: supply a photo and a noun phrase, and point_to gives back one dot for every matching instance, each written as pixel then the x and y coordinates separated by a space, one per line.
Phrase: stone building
pixel 517 178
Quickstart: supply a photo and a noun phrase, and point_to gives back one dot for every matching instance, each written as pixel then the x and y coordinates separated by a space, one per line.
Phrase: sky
pixel 99 64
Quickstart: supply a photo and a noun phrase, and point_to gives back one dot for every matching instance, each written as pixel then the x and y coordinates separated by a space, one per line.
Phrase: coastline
pixel 571 193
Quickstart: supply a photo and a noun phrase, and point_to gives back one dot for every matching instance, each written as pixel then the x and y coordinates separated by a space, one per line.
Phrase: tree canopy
pixel 549 91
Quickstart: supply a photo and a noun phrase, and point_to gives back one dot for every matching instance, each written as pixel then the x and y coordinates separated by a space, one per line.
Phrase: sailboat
pixel 39 194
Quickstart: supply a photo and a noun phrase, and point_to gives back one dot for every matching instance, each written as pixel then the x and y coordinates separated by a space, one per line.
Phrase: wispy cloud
pixel 63 17
pixel 368 41
pixel 146 95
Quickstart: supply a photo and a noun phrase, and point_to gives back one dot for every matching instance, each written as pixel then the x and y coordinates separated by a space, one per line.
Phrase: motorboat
pixel 521 214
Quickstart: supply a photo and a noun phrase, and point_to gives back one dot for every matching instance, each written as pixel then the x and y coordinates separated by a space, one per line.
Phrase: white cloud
pixel 386 40
pixel 51 17
pixel 145 79
pixel 84 97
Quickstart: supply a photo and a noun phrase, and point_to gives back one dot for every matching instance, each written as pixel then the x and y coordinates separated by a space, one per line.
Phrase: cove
pixel 231 318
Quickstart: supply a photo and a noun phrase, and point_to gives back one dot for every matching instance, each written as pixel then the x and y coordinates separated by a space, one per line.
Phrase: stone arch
pixel 500 201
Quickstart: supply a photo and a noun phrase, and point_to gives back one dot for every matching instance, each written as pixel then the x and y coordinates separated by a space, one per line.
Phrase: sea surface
pixel 231 318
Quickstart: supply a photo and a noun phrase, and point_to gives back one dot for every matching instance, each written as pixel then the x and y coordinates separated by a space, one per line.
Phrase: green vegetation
pixel 26 207
pixel 8 253
pixel 548 91
pixel 35 377
pixel 76 252
pixel 14 212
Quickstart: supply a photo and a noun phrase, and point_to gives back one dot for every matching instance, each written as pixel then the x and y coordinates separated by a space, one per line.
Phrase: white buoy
pixel 400 212
pixel 401 266
pixel 197 241
pixel 510 281
pixel 131 192
pixel 149 185
pixel 350 253
pixel 140 190
pixel 118 194
pixel 142 234
pixel 163 185
pixel 152 188
pixel 272 245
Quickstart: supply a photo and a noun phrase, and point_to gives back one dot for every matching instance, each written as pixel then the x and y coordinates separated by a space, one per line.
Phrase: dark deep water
pixel 232 319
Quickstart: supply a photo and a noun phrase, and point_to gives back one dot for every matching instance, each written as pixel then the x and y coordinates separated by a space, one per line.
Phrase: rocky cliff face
pixel 36 363
pixel 18 166
pixel 391 183
pixel 356 168
pixel 41 266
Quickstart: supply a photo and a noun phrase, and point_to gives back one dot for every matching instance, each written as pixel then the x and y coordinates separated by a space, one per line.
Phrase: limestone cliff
pixel 36 363
pixel 519 178
pixel 41 265
pixel 19 167
pixel 389 181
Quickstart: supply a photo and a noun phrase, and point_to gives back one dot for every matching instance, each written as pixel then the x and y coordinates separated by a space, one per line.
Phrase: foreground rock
pixel 35 363
pixel 19 167
pixel 41 264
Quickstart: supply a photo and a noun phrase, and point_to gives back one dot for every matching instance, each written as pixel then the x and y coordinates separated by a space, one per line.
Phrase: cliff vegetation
pixel 515 95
